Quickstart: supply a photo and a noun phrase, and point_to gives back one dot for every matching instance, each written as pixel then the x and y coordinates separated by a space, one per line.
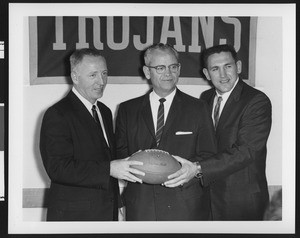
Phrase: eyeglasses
pixel 160 69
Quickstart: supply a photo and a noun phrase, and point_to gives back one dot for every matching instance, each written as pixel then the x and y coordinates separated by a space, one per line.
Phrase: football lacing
pixel 156 150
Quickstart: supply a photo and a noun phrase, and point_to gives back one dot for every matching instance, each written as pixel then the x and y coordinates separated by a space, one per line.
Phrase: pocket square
pixel 183 133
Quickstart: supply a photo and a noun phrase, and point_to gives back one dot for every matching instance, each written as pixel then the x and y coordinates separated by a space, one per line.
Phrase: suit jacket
pixel 77 160
pixel 135 131
pixel 236 175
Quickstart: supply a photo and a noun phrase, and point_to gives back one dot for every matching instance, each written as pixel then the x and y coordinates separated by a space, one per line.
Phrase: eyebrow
pixel 230 63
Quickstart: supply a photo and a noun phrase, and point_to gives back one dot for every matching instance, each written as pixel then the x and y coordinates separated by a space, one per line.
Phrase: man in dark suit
pixel 236 175
pixel 187 133
pixel 78 151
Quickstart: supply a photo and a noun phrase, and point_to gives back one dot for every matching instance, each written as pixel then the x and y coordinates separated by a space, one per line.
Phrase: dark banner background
pixel 128 60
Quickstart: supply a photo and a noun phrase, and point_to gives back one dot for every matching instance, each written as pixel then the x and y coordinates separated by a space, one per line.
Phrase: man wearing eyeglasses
pixel 185 130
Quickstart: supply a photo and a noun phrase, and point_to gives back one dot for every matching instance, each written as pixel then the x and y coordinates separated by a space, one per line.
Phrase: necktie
pixel 160 120
pixel 95 115
pixel 217 111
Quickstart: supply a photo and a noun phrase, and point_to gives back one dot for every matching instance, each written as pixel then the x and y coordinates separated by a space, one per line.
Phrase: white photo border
pixel 18 70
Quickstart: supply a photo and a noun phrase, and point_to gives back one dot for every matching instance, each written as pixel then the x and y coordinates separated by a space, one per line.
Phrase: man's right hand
pixel 121 169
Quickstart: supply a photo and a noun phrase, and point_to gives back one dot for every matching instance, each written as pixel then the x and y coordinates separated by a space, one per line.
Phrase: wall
pixel 268 79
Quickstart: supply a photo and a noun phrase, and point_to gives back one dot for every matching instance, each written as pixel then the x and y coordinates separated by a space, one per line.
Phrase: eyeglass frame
pixel 165 67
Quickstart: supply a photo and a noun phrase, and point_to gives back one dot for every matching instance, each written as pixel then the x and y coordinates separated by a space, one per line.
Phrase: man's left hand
pixel 182 176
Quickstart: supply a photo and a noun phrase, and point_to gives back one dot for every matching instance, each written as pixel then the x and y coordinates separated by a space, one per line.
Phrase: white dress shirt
pixel 89 106
pixel 225 97
pixel 154 103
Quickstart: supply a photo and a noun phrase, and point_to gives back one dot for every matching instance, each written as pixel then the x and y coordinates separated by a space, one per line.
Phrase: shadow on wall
pixel 274 210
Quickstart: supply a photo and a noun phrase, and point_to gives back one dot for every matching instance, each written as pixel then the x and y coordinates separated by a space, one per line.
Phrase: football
pixel 157 165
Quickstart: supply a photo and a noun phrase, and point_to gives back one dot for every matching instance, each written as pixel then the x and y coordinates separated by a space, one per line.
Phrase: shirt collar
pixel 227 94
pixel 169 98
pixel 85 102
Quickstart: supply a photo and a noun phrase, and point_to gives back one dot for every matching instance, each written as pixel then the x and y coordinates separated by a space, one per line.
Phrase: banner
pixel 123 39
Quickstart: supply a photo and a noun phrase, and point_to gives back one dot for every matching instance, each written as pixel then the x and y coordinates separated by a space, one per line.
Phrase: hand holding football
pixel 157 165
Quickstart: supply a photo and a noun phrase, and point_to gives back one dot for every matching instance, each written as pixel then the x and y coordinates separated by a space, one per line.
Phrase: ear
pixel 74 77
pixel 146 72
pixel 205 71
pixel 239 66
pixel 178 72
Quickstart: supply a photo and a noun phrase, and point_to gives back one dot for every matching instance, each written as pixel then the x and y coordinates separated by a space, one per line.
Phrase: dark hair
pixel 160 46
pixel 78 55
pixel 217 49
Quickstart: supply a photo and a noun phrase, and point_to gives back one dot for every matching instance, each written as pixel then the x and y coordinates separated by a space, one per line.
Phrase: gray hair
pixel 159 46
pixel 79 54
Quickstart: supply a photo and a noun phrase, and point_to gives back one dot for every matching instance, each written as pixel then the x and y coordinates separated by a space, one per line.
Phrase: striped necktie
pixel 217 111
pixel 160 121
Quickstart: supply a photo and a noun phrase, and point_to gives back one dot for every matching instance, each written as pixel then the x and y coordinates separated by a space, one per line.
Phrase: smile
pixel 225 81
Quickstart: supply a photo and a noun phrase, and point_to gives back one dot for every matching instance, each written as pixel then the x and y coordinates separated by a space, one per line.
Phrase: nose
pixel 168 71
pixel 222 72
pixel 100 79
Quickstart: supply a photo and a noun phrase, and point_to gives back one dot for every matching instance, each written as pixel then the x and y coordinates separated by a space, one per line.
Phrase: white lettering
pixel 166 33
pixel 237 31
pixel 82 33
pixel 141 41
pixel 110 34
pixel 59 35
pixel 149 36
pixel 195 47
pixel 207 30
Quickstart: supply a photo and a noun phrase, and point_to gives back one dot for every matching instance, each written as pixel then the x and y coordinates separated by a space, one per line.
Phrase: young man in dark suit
pixel 187 133
pixel 236 175
pixel 78 148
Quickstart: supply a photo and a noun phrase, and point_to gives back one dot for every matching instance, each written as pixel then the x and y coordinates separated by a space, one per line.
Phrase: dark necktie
pixel 95 115
pixel 160 121
pixel 217 111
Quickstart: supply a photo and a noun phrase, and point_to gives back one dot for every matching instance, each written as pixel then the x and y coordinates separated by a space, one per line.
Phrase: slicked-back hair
pixel 216 50
pixel 159 46
pixel 79 54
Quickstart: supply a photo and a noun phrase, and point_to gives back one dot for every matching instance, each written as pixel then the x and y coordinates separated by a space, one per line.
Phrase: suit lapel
pixel 107 124
pixel 210 101
pixel 80 109
pixel 147 115
pixel 86 119
pixel 173 112
pixel 230 104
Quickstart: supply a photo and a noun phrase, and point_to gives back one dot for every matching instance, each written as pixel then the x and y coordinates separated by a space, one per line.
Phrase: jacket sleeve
pixel 64 160
pixel 248 145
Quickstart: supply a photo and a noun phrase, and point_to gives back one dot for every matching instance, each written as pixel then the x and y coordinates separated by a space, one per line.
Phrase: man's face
pixel 223 71
pixel 90 77
pixel 163 84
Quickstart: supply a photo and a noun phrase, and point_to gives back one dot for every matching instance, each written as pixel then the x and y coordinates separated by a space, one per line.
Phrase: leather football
pixel 157 165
